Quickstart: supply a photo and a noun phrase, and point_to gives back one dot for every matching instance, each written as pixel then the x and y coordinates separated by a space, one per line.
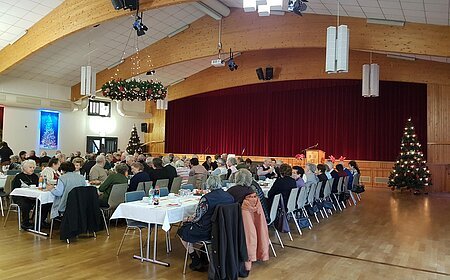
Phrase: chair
pixel 301 203
pixel 14 207
pixel 327 193
pixel 176 184
pixel 291 207
pixel 164 191
pixel 338 192
pixel 131 224
pixel 204 244
pixel 311 193
pixel 317 198
pixel 161 183
pixel 187 187
pixel 191 180
pixel 273 215
pixel 116 197
pixel 145 186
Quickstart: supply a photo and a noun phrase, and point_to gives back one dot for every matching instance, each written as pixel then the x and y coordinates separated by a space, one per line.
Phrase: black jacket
pixel 6 153
pixel 229 248
pixel 82 213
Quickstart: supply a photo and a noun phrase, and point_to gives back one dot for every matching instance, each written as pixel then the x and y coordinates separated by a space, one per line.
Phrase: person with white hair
pixel 243 180
pixel 182 171
pixel 266 169
pixel 231 163
pixel 25 179
pixel 310 174
pixel 221 168
pixel 198 227
pixel 98 173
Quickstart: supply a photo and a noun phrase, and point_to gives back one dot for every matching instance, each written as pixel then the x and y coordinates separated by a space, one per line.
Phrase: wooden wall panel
pixel 296 64
pixel 438 120
pixel 155 138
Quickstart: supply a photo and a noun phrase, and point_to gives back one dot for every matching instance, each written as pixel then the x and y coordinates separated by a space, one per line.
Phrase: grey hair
pixel 27 163
pixel 149 160
pixel 213 183
pixel 232 161
pixel 220 161
pixel 243 177
pixel 165 160
pixel 100 158
pixel 312 167
pixel 129 157
pixel 330 165
pixel 121 168
pixel 179 163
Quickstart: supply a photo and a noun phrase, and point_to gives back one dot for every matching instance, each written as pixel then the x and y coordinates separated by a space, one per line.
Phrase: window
pixel 99 108
pixel 97 144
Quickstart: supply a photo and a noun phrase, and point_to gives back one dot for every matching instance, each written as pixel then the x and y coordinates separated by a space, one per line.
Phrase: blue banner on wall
pixel 49 130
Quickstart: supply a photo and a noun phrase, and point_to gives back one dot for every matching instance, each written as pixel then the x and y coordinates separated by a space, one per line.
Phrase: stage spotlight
pixel 232 65
pixel 139 26
pixel 260 73
pixel 297 6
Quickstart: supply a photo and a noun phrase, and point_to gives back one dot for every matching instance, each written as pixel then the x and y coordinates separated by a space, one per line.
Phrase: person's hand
pixel 49 187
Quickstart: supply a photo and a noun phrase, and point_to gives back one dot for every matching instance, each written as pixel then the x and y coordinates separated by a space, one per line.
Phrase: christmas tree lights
pixel 134 144
pixel 410 170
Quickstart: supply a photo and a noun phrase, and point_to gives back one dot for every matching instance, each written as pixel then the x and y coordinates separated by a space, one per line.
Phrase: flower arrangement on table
pixel 132 90
pixel 333 159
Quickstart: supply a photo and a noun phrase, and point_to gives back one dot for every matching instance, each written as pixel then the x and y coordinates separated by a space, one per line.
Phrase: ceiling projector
pixel 217 63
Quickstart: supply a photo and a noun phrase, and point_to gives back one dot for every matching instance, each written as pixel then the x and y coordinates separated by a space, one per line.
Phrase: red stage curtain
pixel 282 118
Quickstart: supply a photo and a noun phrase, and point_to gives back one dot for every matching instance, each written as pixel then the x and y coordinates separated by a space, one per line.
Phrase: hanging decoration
pixel 133 89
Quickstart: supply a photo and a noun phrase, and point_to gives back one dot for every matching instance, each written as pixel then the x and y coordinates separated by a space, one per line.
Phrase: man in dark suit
pixel 159 172
pixel 171 171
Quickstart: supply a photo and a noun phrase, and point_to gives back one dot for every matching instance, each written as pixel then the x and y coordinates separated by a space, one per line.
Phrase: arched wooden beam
pixel 69 17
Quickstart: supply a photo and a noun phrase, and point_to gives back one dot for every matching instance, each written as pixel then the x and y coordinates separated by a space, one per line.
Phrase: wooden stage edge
pixel 373 173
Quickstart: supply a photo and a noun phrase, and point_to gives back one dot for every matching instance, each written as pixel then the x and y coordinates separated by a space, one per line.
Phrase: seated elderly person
pixel 198 227
pixel 196 168
pixel 78 163
pixel 243 180
pixel 22 180
pixel 51 172
pixel 44 158
pixel 253 217
pixel 297 174
pixel 266 169
pixel 221 168
pixel 139 176
pixel 232 168
pixel 68 181
pixel 15 165
pixel 120 177
pixel 310 174
pixel 283 185
pixel 98 173
pixel 182 170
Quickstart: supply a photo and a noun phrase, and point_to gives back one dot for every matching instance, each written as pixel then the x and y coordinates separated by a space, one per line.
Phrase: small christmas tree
pixel 134 144
pixel 410 170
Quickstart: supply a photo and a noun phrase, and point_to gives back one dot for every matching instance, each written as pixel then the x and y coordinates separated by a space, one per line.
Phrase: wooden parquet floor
pixel 387 236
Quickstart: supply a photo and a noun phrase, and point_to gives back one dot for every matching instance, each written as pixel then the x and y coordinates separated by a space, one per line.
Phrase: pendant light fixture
pixel 337 47
pixel 371 79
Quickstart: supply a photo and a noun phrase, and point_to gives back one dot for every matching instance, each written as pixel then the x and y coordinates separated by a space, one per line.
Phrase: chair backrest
pixel 161 183
pixel 191 180
pixel 176 184
pixel 164 191
pixel 301 200
pixel 311 193
pixel 117 195
pixel 327 190
pixel 356 179
pixel 13 172
pixel 8 181
pixel 292 200
pixel 274 208
pixel 134 196
pixel 140 187
pixel 345 184
pixel 145 186
pixel 187 187
pixel 318 188
pixel 339 184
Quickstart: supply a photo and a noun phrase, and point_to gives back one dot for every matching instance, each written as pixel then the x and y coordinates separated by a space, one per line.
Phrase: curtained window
pixel 282 118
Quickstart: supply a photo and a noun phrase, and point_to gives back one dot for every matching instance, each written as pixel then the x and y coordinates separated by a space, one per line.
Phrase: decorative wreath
pixel 132 90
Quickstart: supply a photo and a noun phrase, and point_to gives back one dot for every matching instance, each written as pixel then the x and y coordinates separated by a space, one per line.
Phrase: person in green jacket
pixel 120 177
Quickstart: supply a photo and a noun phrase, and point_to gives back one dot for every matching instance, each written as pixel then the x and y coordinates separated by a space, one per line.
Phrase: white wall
pixel 21 125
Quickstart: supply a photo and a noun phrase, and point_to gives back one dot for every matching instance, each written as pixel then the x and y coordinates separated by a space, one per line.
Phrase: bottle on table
pixel 151 192
pixel 156 196
pixel 41 184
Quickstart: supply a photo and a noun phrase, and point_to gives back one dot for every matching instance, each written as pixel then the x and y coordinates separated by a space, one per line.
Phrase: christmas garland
pixel 134 90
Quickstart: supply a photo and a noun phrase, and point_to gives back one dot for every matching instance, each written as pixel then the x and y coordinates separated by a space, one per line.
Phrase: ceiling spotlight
pixel 297 6
pixel 151 73
pixel 139 26
pixel 231 64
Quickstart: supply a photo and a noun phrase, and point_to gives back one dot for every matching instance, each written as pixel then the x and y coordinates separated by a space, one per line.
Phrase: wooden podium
pixel 315 156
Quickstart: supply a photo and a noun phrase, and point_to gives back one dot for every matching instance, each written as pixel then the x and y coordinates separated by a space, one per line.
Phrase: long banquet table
pixel 170 210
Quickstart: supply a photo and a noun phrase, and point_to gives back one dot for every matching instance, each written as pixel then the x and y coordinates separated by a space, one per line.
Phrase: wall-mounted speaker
pixel 131 4
pixel 144 127
pixel 269 73
pixel 117 4
pixel 260 73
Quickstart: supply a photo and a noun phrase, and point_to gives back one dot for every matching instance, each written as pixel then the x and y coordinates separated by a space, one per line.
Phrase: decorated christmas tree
pixel 134 144
pixel 410 170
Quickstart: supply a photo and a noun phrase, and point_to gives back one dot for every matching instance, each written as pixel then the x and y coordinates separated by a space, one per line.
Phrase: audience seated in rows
pixel 66 182
pixel 120 177
pixel 297 174
pixel 198 227
pixel 267 169
pixel 221 168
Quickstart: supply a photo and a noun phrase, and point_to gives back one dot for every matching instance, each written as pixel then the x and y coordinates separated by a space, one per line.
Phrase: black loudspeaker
pixel 260 73
pixel 131 4
pixel 269 73
pixel 118 4
pixel 144 127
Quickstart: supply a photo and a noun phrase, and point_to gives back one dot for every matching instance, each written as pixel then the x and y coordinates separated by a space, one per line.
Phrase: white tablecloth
pixel 43 196
pixel 266 186
pixel 163 214
pixel 2 181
